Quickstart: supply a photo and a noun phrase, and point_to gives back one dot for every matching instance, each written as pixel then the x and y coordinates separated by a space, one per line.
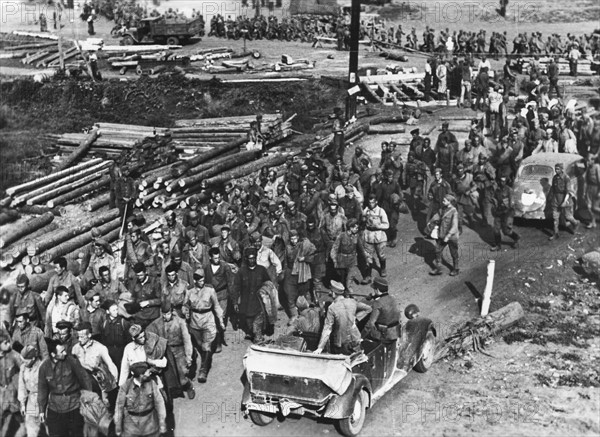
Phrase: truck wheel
pixel 351 426
pixel 127 41
pixel 261 419
pixel 428 354
pixel 172 41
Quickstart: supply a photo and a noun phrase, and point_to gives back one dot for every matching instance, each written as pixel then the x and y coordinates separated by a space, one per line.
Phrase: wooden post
pixel 489 285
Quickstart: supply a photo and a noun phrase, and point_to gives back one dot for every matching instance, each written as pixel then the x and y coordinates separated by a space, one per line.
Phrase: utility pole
pixel 353 64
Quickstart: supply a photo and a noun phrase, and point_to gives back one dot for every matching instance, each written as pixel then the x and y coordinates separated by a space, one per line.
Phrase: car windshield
pixel 536 171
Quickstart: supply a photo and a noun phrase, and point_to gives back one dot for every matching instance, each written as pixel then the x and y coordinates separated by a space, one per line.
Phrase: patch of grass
pixel 571 357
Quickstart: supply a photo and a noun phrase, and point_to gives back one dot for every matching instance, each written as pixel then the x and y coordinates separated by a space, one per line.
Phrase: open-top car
pixel 534 179
pixel 287 378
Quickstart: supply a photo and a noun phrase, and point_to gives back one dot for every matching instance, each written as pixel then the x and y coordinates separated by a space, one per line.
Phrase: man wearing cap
pixel 64 335
pixel 503 159
pixel 332 224
pixel 389 195
pixel 61 379
pixel 344 253
pixel 10 362
pixel 553 72
pixel 358 164
pixel 147 294
pixel 63 278
pixel 194 226
pixel 27 334
pixel 114 332
pixel 100 258
pixel 221 204
pixel 28 388
pixel 250 224
pixel 95 359
pixel 135 352
pixel 463 187
pixel 448 236
pixel 299 255
pixel 340 323
pixel 174 329
pixel 89 248
pixel 26 300
pixel 445 158
pixel 203 311
pixel 184 269
pixel 296 220
pixel 177 232
pixel 107 288
pixel 416 141
pixel 375 237
pixel 247 302
pixel 450 139
pixel 174 289
pixel 228 247
pixel 560 197
pixel 385 318
pixel 174 242
pixel 140 409
pixel 92 313
pixel 308 320
pixel 220 275
pixel 212 219
pixel 195 253
pixel 136 251
pixel 438 189
pixel 276 229
pixel 504 213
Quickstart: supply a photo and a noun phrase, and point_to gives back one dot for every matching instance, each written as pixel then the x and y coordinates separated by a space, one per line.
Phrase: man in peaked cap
pixel 340 323
pixel 202 308
pixel 384 321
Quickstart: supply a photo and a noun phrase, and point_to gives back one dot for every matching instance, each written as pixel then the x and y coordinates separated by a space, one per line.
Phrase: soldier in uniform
pixel 174 329
pixel 340 323
pixel 463 187
pixel 10 363
pixel 504 215
pixel 203 312
pixel 137 251
pixel 439 188
pixel 147 294
pixel 339 144
pixel 64 335
pixel 385 318
pixel 174 289
pixel 28 388
pixel 27 334
pixel 107 288
pixel 484 176
pixel 25 300
pixel 560 200
pixel 375 238
pixel 448 236
pixel 140 409
pixel 220 275
pixel 344 253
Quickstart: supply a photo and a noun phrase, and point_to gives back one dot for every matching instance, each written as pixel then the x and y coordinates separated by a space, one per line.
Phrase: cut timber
pixel 246 169
pixel 380 129
pixel 103 166
pixel 52 177
pixel 25 227
pixel 62 189
pixel 89 188
pixel 42 35
pixel 474 333
pixel 36 209
pixel 226 121
pixel 97 202
pixel 180 170
pixel 374 97
pixel 56 238
pixel 19 248
pixel 172 184
pixel 8 216
pixel 80 152
pixel 235 160
pixel 80 241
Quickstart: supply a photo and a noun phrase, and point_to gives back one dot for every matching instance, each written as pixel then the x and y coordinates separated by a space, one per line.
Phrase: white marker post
pixel 489 285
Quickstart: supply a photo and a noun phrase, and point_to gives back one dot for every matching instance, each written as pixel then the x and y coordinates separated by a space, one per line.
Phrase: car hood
pixel 529 195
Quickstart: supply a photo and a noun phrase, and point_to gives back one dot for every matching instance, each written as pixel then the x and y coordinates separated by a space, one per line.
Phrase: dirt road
pixel 447 300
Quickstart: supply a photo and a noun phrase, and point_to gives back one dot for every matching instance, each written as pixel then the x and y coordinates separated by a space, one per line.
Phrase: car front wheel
pixel 261 419
pixel 428 354
pixel 351 426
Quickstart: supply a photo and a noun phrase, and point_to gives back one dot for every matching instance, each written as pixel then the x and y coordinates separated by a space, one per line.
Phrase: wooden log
pixel 97 202
pixel 80 152
pixel 233 161
pixel 64 189
pixel 182 169
pixel 51 177
pixel 8 216
pixel 246 169
pixel 18 249
pixel 379 130
pixel 79 241
pixel 58 237
pixel 5 203
pixel 31 46
pixel 68 179
pixel 39 269
pixel 25 227
pixel 79 253
pixel 226 121
pixel 78 192
pixel 472 334
pixel 370 93
pixel 174 184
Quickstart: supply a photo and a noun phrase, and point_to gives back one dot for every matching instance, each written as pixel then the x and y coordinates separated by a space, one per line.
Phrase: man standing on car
pixel 340 321
pixel 560 200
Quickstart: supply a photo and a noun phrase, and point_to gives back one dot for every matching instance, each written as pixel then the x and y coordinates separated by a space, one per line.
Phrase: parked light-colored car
pixel 534 179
